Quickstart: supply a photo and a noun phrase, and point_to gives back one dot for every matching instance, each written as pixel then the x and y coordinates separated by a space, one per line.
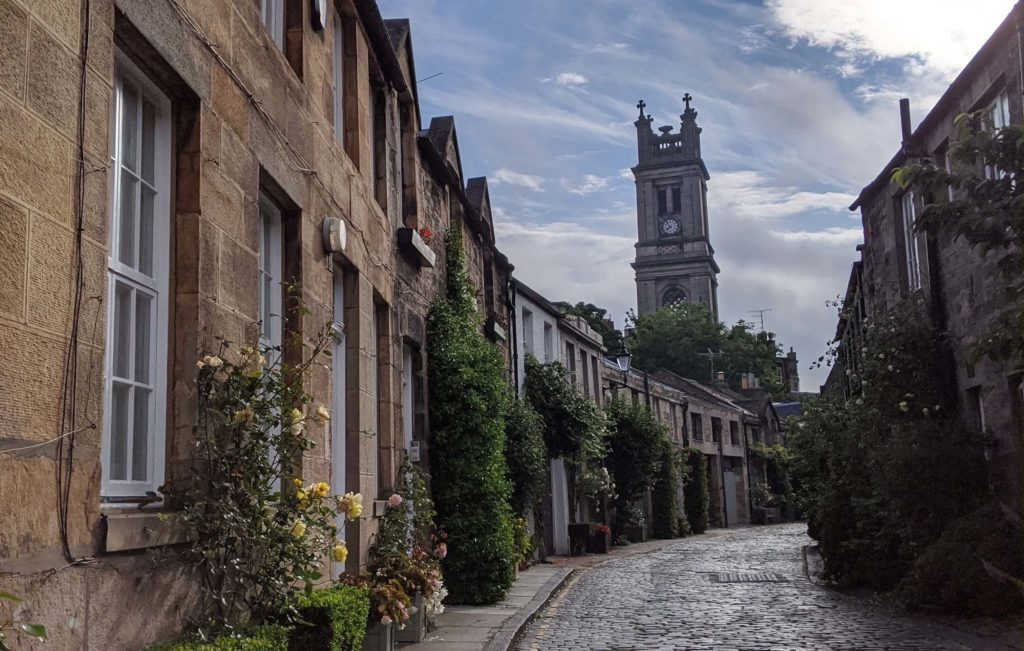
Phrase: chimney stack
pixel 905 123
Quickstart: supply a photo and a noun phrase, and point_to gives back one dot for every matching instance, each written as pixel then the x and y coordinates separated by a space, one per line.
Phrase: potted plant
pixel 600 539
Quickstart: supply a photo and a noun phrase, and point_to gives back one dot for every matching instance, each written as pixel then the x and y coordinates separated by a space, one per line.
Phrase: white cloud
pixel 591 183
pixel 943 34
pixel 626 173
pixel 570 79
pixel 528 181
pixel 830 235
pixel 751 195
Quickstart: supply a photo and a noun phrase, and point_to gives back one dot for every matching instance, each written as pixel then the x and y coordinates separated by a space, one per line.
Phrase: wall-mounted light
pixel 335 235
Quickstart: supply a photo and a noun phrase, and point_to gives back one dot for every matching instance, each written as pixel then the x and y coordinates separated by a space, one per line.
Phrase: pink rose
pixel 442 550
pixel 395 500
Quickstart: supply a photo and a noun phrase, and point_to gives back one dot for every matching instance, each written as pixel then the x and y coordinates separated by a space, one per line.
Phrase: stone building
pixel 954 279
pixel 543 329
pixel 164 168
pixel 675 261
pixel 701 417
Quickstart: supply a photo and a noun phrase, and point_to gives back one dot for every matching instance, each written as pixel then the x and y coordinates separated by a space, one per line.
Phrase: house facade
pixel 954 280
pixel 172 174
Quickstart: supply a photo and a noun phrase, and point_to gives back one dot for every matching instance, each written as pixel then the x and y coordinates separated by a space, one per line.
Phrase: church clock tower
pixel 674 259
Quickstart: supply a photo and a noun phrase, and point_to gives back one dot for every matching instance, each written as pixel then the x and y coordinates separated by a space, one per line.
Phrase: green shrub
pixel 665 492
pixel 633 453
pixel 335 620
pixel 696 495
pixel 951 573
pixel 269 637
pixel 468 403
pixel 525 456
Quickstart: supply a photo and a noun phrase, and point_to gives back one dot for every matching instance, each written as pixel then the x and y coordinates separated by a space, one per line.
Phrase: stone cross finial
pixel 641 105
pixel 687 98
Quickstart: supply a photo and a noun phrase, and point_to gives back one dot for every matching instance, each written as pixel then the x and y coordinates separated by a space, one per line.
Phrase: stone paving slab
pixel 475 628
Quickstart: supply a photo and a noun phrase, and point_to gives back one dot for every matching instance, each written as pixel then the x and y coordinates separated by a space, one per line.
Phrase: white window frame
pixel 999 117
pixel 271 274
pixel 407 396
pixel 549 343
pixel 338 77
pixel 126 275
pixel 272 14
pixel 339 435
pixel 528 331
pixel 910 248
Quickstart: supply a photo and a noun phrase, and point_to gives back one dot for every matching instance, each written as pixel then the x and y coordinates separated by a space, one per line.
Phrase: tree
pixel 595 317
pixel 986 210
pixel 696 494
pixel 665 491
pixel 676 338
pixel 468 403
pixel 525 456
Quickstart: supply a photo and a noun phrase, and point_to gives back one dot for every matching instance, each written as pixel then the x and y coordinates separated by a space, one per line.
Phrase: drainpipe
pixel 510 300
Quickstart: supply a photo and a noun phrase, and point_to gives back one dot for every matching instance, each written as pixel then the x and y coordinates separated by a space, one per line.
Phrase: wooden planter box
pixel 379 637
pixel 599 543
pixel 579 534
pixel 416 628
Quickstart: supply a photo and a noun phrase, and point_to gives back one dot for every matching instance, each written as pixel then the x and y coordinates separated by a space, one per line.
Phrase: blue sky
pixel 798 104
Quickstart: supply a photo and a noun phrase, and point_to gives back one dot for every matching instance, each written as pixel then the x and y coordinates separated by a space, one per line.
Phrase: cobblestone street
pixel 681 597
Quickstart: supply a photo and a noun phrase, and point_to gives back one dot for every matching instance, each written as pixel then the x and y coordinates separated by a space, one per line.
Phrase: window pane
pixel 675 199
pixel 121 341
pixel 140 435
pixel 265 308
pixel 146 232
pixel 119 432
pixel 130 127
pixel 148 140
pixel 143 310
pixel 126 246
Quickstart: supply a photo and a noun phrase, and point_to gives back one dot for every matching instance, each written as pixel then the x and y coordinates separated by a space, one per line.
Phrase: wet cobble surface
pixel 675 598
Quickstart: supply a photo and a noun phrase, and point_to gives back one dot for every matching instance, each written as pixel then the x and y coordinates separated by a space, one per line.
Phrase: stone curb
pixel 504 637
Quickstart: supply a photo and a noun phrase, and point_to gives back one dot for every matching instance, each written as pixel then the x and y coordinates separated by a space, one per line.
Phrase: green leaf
pixel 9 597
pixel 37 631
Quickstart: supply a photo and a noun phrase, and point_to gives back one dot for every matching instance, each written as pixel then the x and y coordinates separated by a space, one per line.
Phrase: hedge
pixel 695 490
pixel 665 492
pixel 468 403
pixel 336 620
pixel 270 637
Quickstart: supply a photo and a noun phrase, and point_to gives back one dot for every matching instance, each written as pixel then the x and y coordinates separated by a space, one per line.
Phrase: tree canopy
pixel 677 339
pixel 595 316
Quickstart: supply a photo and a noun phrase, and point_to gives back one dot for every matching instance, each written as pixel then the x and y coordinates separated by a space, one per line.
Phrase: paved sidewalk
pixel 492 628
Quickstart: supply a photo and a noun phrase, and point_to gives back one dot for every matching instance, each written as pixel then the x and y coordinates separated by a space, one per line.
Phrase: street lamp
pixel 622 359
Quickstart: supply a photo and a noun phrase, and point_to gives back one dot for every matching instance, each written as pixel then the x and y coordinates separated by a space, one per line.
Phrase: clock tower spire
pixel 674 258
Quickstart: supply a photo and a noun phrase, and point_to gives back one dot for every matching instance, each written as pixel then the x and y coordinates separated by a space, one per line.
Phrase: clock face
pixel 670 226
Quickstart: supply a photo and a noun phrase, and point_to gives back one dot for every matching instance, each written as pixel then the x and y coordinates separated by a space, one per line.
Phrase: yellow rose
pixel 297 482
pixel 321 489
pixel 213 361
pixel 352 504
pixel 243 415
pixel 322 415
pixel 298 529
pixel 340 553
pixel 295 422
pixel 300 495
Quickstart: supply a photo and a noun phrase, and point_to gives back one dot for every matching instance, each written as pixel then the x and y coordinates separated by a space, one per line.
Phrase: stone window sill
pixel 140 530
pixel 415 248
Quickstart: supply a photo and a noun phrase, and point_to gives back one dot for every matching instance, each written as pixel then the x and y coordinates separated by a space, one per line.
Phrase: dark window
pixel 662 201
pixel 675 199
pixel 734 432
pixel 716 429
pixel 697 426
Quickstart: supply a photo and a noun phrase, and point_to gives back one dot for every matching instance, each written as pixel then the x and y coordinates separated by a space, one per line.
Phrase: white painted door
pixel 559 508
pixel 730 497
